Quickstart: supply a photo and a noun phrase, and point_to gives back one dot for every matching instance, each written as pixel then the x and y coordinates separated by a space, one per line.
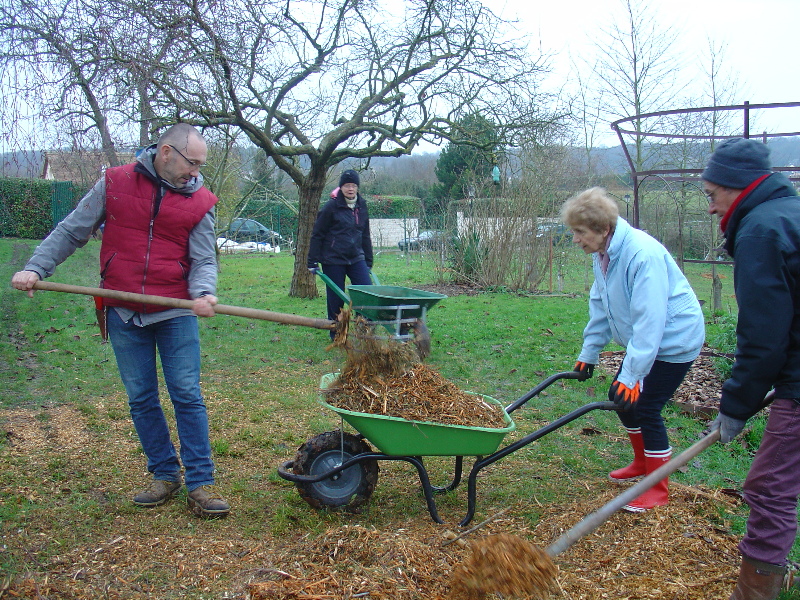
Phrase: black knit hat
pixel 737 163
pixel 349 176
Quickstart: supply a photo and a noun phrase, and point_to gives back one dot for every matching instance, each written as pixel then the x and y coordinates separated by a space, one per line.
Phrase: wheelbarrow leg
pixel 480 463
pixel 427 488
pixel 459 467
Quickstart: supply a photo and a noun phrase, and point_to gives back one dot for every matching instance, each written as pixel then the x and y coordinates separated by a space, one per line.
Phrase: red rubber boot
pixel 658 495
pixel 636 468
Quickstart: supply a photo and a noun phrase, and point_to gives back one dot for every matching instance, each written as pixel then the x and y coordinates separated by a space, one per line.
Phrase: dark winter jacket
pixel 763 237
pixel 341 234
pixel 145 246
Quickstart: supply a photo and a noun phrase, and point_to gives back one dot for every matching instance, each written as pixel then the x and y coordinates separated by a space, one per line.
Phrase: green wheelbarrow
pixel 339 470
pixel 400 310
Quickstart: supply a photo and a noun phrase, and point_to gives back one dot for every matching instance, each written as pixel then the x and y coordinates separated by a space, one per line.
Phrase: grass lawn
pixel 70 458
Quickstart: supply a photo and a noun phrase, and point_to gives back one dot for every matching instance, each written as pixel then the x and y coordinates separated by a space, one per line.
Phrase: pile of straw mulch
pixel 701 386
pixel 419 394
pixel 383 376
pixel 354 561
pixel 505 564
pixel 683 551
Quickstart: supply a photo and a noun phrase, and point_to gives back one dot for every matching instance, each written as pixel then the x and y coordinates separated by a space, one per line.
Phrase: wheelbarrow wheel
pixel 348 490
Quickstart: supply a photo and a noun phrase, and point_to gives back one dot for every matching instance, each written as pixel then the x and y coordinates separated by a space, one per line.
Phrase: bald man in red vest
pixel 158 238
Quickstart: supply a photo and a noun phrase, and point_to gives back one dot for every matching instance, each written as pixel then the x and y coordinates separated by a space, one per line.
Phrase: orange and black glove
pixel 585 369
pixel 623 396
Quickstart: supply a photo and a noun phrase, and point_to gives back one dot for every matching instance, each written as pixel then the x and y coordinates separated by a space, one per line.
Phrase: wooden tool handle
pixel 597 518
pixel 222 309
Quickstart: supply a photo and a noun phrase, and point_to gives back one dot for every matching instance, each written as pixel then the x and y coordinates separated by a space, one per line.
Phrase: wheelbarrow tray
pixel 370 300
pixel 401 437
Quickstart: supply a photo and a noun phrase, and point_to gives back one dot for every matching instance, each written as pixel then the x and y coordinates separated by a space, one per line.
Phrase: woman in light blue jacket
pixel 642 301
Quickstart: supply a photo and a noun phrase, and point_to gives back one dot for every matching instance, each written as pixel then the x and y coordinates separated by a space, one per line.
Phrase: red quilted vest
pixel 139 253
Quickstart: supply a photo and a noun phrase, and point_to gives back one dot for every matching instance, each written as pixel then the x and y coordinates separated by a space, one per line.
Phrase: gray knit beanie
pixel 736 163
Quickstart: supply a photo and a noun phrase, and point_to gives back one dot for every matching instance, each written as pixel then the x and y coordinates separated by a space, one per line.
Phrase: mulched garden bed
pixel 697 395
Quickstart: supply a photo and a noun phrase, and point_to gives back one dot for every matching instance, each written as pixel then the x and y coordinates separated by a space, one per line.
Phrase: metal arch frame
pixel 681 174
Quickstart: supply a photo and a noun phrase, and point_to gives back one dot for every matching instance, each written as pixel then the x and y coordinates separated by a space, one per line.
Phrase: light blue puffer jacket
pixel 644 303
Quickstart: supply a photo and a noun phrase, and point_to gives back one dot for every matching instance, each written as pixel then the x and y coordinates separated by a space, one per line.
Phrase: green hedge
pixel 393 207
pixel 25 208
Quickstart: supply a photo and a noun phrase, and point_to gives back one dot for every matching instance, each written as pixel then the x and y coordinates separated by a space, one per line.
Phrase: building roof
pixel 82 167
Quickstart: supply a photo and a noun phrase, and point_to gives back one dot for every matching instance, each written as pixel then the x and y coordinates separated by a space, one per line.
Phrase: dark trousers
pixel 358 273
pixel 773 486
pixel 658 387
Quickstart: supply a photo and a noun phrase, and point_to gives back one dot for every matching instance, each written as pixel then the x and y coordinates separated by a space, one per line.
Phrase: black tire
pixel 347 490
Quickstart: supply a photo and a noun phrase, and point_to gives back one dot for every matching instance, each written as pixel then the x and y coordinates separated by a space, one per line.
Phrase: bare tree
pixel 56 55
pixel 314 84
pixel 639 68
pixel 720 123
pixel 587 108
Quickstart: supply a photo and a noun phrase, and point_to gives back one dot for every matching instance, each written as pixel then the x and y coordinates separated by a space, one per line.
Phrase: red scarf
pixel 723 224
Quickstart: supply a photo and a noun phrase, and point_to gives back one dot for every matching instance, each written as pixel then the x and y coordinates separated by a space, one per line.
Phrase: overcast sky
pixel 761 41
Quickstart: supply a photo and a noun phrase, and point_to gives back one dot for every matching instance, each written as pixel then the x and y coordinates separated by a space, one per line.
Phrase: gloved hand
pixel 623 396
pixel 585 369
pixel 728 427
pixel 313 267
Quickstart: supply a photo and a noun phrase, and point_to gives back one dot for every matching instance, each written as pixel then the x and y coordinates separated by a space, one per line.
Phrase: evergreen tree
pixel 467 162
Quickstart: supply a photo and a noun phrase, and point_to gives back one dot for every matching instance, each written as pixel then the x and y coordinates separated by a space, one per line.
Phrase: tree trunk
pixel 304 284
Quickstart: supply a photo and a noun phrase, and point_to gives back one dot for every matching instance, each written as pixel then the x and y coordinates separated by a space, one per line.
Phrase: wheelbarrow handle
pixel 329 282
pixel 546 383
pixel 374 278
pixel 597 518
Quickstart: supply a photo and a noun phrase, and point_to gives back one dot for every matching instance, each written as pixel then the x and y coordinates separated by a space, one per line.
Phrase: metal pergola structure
pixel 622 128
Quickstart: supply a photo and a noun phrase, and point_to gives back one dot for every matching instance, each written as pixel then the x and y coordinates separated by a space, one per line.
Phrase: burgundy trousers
pixel 773 486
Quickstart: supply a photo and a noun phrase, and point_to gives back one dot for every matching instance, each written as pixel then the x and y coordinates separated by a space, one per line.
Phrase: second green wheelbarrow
pixel 399 309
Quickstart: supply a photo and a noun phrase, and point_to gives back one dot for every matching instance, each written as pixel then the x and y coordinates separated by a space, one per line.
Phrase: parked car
pixel 249 230
pixel 557 232
pixel 426 240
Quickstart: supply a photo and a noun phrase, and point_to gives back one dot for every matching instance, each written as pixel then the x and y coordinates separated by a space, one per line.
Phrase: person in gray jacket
pixel 760 218
pixel 158 238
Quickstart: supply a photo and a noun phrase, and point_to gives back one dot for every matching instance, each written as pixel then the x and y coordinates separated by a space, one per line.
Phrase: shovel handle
pixel 597 518
pixel 222 309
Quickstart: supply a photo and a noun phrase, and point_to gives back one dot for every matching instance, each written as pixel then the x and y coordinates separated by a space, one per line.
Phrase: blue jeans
pixel 178 343
pixel 658 387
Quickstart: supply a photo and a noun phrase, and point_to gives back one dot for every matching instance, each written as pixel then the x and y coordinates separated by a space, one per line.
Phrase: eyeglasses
pixel 192 163
pixel 710 195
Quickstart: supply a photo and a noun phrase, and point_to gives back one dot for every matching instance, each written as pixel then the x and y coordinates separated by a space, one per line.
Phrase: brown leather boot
pixel 207 502
pixel 157 493
pixel 758 580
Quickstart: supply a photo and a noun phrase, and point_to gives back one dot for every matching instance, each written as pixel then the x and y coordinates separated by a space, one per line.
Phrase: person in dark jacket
pixel 158 239
pixel 760 219
pixel 341 240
